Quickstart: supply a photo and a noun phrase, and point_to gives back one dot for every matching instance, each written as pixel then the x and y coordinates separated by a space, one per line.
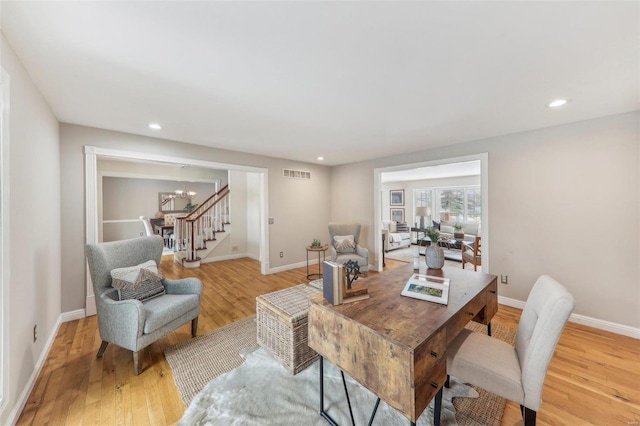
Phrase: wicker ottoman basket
pixel 281 319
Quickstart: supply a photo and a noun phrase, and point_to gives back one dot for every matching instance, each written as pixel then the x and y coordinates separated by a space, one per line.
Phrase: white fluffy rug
pixel 262 392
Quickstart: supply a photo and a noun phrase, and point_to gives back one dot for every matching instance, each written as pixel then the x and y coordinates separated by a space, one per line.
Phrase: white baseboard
pixel 72 315
pixel 14 415
pixel 612 327
pixel 514 303
pixel 289 267
pixel 225 257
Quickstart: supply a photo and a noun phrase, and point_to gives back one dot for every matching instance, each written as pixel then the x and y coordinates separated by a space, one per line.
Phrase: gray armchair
pixel 132 324
pixel 342 254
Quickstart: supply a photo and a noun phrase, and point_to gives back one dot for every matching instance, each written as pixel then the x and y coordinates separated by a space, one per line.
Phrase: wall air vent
pixel 296 174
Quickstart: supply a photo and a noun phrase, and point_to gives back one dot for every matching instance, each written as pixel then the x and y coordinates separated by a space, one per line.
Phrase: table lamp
pixel 421 212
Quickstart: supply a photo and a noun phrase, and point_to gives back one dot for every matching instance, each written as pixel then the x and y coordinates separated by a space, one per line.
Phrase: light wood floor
pixel 594 377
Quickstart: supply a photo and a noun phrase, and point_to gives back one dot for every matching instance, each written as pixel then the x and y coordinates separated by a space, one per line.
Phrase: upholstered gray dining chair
pixel 345 245
pixel 134 324
pixel 516 373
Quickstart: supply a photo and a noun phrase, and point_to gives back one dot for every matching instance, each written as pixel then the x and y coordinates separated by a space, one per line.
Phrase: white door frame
pixel 484 187
pixel 5 239
pixel 91 154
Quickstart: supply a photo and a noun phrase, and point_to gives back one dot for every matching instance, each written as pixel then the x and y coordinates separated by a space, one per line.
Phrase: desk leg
pixel 322 412
pixel 325 415
pixel 437 409
pixel 346 392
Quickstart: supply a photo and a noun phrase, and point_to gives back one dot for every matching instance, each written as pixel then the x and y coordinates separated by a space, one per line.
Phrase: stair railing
pixel 194 230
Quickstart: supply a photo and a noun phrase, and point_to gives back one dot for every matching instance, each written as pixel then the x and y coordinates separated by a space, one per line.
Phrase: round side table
pixel 321 250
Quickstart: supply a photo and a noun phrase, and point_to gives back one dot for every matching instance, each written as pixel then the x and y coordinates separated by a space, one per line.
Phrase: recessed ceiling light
pixel 155 126
pixel 320 158
pixel 557 103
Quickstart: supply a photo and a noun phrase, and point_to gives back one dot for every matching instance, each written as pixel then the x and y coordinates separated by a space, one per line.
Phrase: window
pixel 462 205
pixel 424 198
pixel 473 204
pixel 451 205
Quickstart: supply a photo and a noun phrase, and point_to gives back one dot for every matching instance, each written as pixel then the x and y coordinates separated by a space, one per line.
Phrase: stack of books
pixel 334 285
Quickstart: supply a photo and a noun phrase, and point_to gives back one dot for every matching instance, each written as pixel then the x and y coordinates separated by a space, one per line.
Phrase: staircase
pixel 205 224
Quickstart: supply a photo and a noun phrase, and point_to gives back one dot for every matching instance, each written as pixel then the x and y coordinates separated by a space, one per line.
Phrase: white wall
pixel 34 287
pixel 563 201
pixel 300 208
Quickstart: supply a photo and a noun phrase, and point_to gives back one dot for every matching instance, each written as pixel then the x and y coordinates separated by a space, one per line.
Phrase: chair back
pixel 147 225
pixel 345 229
pixel 477 249
pixel 103 257
pixel 544 316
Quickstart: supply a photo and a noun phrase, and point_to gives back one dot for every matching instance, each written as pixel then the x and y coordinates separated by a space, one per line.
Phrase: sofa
pixel 471 230
pixel 396 235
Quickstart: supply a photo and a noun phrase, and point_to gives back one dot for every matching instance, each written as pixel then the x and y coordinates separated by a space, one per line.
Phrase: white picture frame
pixel 427 287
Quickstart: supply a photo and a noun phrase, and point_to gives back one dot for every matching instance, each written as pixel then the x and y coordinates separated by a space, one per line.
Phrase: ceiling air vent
pixel 296 174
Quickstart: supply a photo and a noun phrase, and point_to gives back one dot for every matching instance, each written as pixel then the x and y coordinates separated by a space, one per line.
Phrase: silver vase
pixel 434 257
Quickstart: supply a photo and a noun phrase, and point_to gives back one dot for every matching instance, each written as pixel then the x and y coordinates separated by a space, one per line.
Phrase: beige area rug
pixel 195 363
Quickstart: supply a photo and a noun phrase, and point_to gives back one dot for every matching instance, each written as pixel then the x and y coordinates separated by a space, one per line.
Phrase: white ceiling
pixel 346 80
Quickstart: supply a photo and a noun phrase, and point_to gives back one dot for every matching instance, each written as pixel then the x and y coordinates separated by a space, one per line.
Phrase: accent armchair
pixel 472 253
pixel 130 323
pixel 516 373
pixel 345 239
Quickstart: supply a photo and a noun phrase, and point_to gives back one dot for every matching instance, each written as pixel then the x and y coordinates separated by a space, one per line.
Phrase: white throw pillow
pixel 393 227
pixel 344 243
pixel 447 229
pixel 141 282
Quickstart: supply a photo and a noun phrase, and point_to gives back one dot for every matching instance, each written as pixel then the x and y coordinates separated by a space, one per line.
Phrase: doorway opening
pixel 451 190
pixel 92 154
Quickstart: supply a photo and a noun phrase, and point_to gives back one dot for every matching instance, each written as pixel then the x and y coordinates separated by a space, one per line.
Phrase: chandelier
pixel 184 193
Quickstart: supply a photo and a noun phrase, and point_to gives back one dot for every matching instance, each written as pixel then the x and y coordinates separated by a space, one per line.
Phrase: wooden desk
pixel 394 345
